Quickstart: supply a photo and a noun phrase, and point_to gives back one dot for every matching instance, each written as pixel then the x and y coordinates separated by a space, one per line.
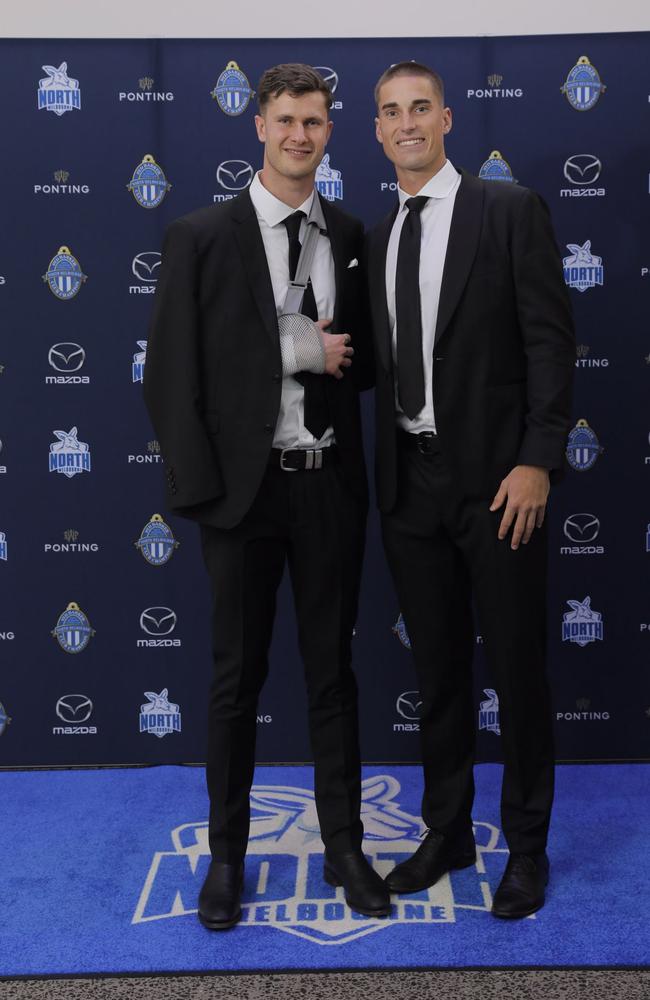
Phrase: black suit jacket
pixel 504 352
pixel 213 376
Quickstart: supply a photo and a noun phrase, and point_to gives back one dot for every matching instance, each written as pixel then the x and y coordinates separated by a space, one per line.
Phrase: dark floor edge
pixel 290 763
pixel 323 972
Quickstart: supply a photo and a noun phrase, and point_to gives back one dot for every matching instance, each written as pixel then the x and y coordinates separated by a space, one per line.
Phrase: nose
pixel 298 134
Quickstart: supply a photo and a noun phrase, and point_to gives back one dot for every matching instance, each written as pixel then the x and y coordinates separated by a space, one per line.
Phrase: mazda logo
pixel 582 528
pixel 145 265
pixel 74 708
pixel 408 705
pixel 582 168
pixel 158 621
pixel 234 175
pixel 329 75
pixel 66 357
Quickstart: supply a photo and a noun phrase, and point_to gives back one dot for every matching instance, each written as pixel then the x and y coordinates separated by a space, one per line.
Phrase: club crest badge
pixel 159 716
pixel 583 85
pixel 583 447
pixel 329 182
pixel 139 359
pixel 73 631
pixel 581 625
pixel 68 455
pixel 495 168
pixel 148 184
pixel 488 713
pixel 58 92
pixel 64 275
pixel 157 542
pixel 399 629
pixel 232 91
pixel 3 547
pixel 4 719
pixel 582 269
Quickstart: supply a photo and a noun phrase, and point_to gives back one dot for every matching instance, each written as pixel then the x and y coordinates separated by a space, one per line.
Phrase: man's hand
pixel 526 490
pixel 337 352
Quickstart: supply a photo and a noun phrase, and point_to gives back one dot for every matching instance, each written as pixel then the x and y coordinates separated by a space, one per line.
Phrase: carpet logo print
pixel 284 885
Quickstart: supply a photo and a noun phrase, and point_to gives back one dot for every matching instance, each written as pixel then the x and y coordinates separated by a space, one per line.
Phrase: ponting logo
pixel 232 91
pixel 581 625
pixel 584 361
pixel 582 170
pixel 408 706
pixel 153 456
pixel 159 716
pixel 146 94
pixel 74 710
pixel 139 360
pixel 583 86
pixel 64 276
pixel 159 623
pixel 66 358
pixel 145 266
pixel 495 90
pixel 157 542
pixel 329 181
pixel 399 629
pixel 495 168
pixel 582 269
pixel 488 714
pixel 331 78
pixel 148 184
pixel 68 455
pixel 61 185
pixel 70 544
pixel 73 631
pixel 582 530
pixel 58 92
pixel 583 447
pixel 584 713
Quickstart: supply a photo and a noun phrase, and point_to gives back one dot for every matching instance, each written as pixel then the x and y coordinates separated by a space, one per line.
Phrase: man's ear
pixel 260 126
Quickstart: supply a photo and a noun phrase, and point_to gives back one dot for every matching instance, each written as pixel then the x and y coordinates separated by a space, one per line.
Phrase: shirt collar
pixel 441 185
pixel 273 211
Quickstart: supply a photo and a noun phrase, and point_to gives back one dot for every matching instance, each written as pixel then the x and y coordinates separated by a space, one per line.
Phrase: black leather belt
pixel 426 442
pixel 303 459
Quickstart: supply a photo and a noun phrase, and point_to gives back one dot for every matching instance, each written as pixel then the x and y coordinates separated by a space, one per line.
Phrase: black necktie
pixel 410 369
pixel 317 418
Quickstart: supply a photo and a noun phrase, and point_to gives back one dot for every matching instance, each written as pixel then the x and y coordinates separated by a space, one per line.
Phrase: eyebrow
pixel 415 103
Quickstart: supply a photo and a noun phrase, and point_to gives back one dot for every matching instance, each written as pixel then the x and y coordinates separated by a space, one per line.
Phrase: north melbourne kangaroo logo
pixel 284 885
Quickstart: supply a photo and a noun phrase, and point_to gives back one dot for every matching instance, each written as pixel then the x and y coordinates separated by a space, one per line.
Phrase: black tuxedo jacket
pixel 213 376
pixel 504 352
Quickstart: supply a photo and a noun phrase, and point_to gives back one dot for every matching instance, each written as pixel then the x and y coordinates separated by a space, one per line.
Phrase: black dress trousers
pixel 310 520
pixel 443 550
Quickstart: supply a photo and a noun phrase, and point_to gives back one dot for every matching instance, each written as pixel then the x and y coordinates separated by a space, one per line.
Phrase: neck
pixel 293 191
pixel 413 181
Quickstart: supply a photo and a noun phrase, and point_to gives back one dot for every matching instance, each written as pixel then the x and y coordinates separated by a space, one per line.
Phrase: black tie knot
pixel 292 222
pixel 416 204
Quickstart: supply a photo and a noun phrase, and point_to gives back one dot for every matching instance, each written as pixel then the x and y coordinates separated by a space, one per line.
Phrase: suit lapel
pixel 255 266
pixel 338 255
pixel 377 279
pixel 466 222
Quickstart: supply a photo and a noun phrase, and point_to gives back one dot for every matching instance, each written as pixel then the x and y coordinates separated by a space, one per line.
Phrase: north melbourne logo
pixel 581 625
pixel 329 182
pixel 582 269
pixel 57 91
pixel 159 716
pixel 68 455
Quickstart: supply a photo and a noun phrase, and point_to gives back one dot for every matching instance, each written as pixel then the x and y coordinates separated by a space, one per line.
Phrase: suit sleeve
pixel 172 382
pixel 546 323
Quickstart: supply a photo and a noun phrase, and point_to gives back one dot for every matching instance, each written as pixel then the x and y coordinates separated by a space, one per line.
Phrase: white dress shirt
pixel 290 430
pixel 436 222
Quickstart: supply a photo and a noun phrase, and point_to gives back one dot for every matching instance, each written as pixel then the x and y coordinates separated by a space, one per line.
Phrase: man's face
pixel 295 131
pixel 411 124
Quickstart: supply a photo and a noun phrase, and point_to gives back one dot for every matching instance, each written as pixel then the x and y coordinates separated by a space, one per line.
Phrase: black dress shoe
pixel 365 890
pixel 219 899
pixel 435 856
pixel 521 890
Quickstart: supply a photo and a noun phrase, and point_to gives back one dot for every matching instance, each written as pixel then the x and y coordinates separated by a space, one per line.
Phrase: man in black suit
pixel 475 356
pixel 272 468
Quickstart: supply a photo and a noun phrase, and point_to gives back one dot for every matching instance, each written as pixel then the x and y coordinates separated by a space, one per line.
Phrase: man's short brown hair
pixel 411 69
pixel 292 78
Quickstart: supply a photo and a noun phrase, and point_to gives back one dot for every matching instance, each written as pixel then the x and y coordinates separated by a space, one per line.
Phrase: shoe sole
pixel 219 925
pixel 458 865
pixel 332 879
pixel 517 916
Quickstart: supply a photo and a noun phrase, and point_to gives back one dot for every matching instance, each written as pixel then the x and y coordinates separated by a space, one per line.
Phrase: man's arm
pixel 172 384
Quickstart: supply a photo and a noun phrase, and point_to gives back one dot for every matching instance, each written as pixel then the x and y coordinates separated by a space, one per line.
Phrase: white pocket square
pixel 353 263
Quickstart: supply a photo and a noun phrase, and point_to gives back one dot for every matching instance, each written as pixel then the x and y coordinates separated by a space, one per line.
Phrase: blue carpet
pixel 101 870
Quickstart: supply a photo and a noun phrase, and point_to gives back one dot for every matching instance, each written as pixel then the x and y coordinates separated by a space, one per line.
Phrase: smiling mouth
pixel 298 152
pixel 410 142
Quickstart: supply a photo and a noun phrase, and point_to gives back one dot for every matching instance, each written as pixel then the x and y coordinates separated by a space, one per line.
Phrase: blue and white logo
pixel 73 631
pixel 495 168
pixel 139 359
pixel 329 182
pixel 64 275
pixel 4 719
pixel 157 542
pixel 582 625
pixel 159 716
pixel 583 87
pixel 68 455
pixel 582 269
pixel 399 629
pixel 3 547
pixel 583 447
pixel 232 91
pixel 57 91
pixel 488 713
pixel 148 184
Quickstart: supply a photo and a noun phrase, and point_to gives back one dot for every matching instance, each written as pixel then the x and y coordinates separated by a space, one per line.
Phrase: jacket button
pixel 269 428
pixel 439 358
pixel 277 378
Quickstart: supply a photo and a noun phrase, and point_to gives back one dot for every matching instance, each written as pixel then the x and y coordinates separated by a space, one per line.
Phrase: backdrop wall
pixel 84 207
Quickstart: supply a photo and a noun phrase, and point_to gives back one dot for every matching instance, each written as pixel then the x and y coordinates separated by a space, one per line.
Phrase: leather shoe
pixel 219 899
pixel 365 890
pixel 521 890
pixel 435 856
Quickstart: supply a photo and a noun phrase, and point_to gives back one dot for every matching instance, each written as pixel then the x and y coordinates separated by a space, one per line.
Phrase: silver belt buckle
pixel 286 468
pixel 314 458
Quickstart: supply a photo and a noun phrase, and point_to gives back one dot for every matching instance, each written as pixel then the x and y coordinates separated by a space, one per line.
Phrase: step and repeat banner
pixel 104 607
